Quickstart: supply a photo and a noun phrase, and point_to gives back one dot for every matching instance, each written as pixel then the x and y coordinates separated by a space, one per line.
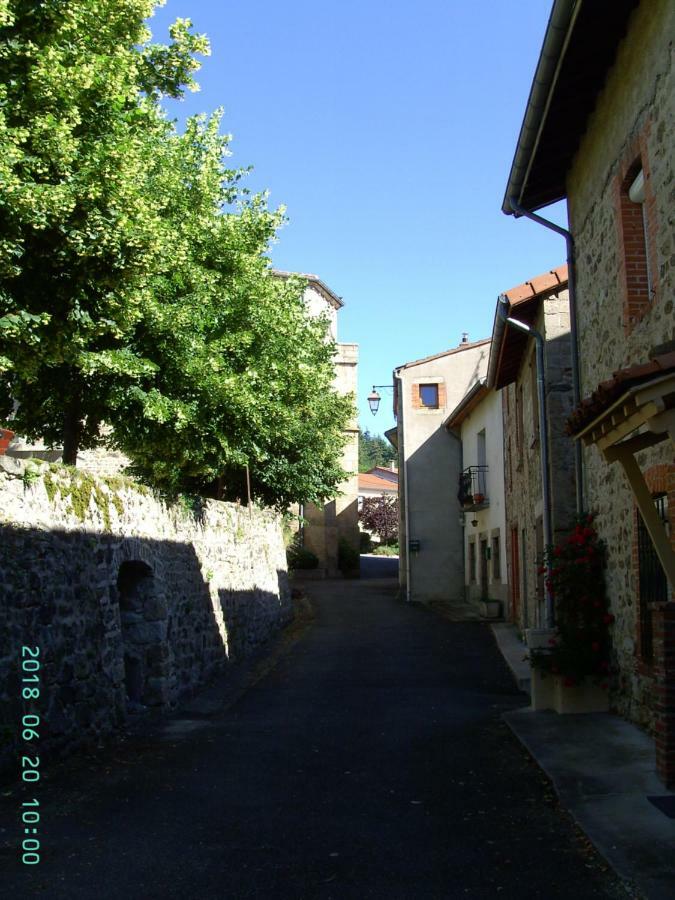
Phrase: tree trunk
pixel 72 430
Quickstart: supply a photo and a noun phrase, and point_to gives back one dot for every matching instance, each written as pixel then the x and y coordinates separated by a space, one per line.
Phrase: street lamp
pixel 374 398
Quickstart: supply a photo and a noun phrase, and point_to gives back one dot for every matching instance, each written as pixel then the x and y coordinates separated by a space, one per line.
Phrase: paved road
pixel 369 763
pixel 379 566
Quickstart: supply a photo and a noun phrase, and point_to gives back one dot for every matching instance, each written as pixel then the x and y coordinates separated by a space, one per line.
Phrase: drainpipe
pixel 404 467
pixel 572 289
pixel 502 312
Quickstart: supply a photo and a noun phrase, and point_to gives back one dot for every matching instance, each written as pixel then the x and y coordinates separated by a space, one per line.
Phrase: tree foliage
pixel 374 450
pixel 134 285
pixel 379 515
pixel 80 229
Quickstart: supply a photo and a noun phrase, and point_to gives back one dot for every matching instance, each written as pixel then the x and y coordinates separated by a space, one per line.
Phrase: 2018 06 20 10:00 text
pixel 30 761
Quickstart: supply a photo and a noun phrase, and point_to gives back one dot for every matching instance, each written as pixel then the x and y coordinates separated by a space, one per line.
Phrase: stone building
pixel 477 419
pixel 431 560
pixel 335 523
pixel 598 131
pixel 541 303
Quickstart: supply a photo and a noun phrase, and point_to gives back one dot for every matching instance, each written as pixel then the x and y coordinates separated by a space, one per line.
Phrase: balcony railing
pixel 472 493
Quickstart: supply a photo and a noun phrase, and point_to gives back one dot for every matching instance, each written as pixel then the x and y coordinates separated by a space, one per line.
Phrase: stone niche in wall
pixel 133 604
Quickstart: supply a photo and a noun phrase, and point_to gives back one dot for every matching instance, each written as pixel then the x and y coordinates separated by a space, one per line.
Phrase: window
pixel 637 230
pixel 636 195
pixel 652 578
pixel 472 562
pixel 429 396
pixel 496 559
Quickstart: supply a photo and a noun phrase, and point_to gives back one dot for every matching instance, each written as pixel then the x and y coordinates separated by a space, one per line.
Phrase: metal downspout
pixel 502 307
pixel 405 489
pixel 576 378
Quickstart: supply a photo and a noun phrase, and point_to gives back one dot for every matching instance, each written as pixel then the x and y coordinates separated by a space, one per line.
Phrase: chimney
pixel 465 337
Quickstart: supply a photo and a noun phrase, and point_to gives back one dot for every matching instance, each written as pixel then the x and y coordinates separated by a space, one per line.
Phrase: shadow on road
pixel 379 566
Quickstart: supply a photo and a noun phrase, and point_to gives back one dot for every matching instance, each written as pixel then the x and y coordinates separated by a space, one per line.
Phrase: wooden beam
pixel 615 433
pixel 648 511
pixel 633 445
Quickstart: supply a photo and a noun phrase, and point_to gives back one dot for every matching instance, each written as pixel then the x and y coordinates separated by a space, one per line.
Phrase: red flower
pixel 541 570
pixel 552 642
pixel 557 551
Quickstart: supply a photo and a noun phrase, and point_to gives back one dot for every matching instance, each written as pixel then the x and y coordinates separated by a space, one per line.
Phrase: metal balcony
pixel 472 493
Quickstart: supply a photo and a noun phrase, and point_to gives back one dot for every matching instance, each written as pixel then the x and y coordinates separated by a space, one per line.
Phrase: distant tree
pixel 379 515
pixel 373 451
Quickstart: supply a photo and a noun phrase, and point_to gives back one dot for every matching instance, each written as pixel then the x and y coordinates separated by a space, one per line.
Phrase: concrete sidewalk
pixel 604 772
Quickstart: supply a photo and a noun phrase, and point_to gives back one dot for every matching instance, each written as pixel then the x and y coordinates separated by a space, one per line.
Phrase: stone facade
pixel 522 459
pixel 132 603
pixel 632 125
pixel 337 521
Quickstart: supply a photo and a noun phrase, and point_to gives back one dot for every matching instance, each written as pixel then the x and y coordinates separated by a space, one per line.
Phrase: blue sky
pixel 387 129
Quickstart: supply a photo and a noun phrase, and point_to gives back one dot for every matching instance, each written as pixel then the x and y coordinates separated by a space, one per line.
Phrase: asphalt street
pixel 369 762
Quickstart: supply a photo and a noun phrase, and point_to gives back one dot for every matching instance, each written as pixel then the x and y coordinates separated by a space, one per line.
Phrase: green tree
pixel 240 375
pixel 374 450
pixel 135 288
pixel 81 232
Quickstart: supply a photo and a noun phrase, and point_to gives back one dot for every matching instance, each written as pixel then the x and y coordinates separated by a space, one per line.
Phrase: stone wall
pixel 524 503
pixel 633 118
pixel 132 603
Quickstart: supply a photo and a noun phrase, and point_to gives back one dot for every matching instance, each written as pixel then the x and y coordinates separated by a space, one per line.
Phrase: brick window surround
pixel 416 399
pixel 637 235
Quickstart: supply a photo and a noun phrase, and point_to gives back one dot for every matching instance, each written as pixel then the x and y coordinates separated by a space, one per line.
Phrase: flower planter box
pixel 490 609
pixel 551 692
pixel 579 698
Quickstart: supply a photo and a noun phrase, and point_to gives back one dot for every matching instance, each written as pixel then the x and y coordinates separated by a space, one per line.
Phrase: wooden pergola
pixel 642 416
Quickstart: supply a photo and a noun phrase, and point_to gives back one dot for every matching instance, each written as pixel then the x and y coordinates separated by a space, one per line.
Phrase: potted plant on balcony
pixel 478 498
pixel 575 660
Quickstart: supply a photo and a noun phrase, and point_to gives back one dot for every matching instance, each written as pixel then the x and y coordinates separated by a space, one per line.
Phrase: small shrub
pixel 299 557
pixel 386 550
pixel 348 557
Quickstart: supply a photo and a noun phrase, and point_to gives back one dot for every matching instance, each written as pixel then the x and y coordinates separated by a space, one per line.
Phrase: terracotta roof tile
pixel 374 483
pixel 608 392
pixel 537 285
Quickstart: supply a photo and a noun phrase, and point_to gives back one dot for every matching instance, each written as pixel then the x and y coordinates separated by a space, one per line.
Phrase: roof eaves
pixel 556 39
pixel 525 298
pixel 329 295
pixel 467 404
pixel 467 346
